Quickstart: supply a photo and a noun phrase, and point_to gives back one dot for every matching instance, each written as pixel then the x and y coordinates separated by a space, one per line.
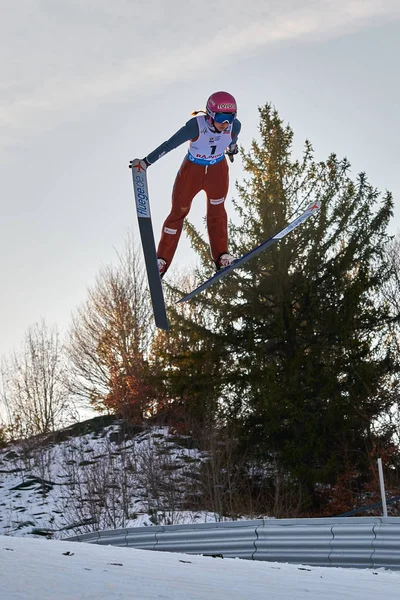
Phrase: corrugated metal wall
pixel 364 542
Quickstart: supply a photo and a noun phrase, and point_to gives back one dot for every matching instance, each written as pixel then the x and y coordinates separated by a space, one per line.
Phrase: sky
pixel 39 569
pixel 87 86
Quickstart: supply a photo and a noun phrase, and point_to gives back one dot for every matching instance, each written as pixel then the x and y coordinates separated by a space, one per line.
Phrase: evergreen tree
pixel 306 364
pixel 189 360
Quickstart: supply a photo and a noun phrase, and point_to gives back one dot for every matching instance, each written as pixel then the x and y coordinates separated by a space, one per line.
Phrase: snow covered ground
pixel 33 569
pixel 72 486
pixel 39 496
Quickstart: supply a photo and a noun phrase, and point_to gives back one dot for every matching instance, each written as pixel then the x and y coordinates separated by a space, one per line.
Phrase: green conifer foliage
pixel 307 367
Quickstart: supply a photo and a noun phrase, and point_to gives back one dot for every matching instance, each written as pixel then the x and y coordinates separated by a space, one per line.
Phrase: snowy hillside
pixel 38 569
pixel 104 478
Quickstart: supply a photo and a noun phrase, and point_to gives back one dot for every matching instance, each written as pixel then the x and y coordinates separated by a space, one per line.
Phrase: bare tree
pixel 110 338
pixel 34 391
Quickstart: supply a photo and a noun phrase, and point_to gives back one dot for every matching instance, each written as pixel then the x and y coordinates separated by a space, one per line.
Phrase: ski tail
pixel 140 189
pixel 310 210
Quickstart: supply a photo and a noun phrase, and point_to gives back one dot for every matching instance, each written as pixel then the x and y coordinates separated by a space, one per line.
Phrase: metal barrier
pixel 363 542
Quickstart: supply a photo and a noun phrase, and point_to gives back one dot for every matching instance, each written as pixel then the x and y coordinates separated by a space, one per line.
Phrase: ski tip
pixel 314 206
pixel 163 325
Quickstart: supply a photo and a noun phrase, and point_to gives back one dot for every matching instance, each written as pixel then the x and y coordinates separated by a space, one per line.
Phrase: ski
pixel 140 189
pixel 243 259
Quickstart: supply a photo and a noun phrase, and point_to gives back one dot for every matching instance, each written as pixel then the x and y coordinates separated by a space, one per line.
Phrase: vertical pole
pixel 382 484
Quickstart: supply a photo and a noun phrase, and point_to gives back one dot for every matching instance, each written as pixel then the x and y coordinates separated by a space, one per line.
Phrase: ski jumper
pixel 203 168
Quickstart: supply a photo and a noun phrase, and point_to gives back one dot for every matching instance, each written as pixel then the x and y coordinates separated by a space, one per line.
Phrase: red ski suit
pixel 192 178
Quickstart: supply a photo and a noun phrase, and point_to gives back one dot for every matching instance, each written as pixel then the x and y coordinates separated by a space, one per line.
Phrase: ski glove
pixel 231 151
pixel 143 162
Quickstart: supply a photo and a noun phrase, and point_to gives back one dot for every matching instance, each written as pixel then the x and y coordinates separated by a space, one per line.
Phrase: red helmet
pixel 221 102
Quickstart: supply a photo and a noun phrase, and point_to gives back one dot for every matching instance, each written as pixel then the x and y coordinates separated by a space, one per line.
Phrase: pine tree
pixel 189 360
pixel 307 368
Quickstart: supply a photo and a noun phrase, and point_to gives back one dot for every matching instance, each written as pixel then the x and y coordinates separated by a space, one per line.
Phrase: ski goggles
pixel 224 117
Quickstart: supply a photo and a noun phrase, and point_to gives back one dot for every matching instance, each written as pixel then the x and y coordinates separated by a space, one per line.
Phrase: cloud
pixel 60 57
